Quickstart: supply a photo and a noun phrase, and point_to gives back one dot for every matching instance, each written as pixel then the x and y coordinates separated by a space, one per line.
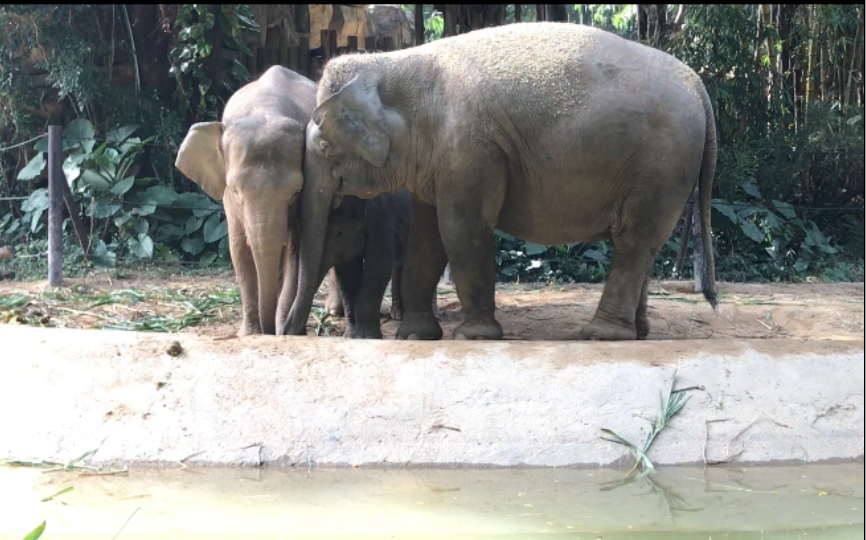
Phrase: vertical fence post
pixel 55 207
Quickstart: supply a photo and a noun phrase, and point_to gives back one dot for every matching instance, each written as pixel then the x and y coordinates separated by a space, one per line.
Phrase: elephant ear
pixel 201 159
pixel 353 119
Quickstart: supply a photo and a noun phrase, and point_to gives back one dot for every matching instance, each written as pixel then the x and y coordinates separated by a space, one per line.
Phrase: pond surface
pixel 723 502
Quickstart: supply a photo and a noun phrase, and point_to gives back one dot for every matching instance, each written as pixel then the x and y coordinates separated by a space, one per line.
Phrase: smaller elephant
pixel 364 247
pixel 253 160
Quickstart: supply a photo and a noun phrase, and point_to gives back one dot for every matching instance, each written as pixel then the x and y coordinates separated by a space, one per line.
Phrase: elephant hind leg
pixel 641 322
pixel 621 313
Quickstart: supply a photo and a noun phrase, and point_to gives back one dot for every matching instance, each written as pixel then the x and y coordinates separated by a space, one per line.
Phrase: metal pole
pixel 55 207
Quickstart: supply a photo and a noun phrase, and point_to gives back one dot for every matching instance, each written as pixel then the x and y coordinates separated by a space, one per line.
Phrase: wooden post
pixel 419 24
pixel 332 44
pixel 304 56
pixel 324 38
pixel 352 44
pixel 261 60
pixel 388 44
pixel 539 12
pixel 369 43
pixel 272 48
pixel 55 208
pixel 517 13
pixel 285 52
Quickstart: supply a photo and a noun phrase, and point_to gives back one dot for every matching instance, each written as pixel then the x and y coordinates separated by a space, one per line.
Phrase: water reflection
pixel 809 502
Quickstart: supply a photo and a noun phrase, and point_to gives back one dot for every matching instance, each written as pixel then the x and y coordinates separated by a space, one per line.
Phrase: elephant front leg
pixel 245 273
pixel 424 262
pixel 473 269
pixel 466 223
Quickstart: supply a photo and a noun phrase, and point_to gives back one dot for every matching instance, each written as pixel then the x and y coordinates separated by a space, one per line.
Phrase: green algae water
pixel 814 502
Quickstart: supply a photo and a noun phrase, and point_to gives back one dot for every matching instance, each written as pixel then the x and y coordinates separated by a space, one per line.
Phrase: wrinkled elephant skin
pixel 555 133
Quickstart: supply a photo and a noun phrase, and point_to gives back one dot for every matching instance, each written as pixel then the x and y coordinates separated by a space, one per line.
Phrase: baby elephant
pixel 365 243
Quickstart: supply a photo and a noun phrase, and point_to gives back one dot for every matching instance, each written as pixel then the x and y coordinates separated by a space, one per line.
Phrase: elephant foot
pixel 419 327
pixel 396 313
pixel 248 329
pixel 641 325
pixel 363 333
pixel 480 330
pixel 605 331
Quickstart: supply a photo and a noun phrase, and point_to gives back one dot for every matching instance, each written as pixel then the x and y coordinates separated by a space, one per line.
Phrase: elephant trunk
pixel 316 197
pixel 267 234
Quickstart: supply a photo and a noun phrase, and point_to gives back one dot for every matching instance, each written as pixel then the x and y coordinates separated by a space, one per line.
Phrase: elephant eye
pixel 324 145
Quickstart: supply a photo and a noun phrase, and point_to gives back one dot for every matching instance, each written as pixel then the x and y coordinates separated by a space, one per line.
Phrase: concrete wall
pixel 330 401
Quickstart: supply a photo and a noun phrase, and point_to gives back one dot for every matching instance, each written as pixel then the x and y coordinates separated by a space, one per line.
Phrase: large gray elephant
pixel 552 132
pixel 253 160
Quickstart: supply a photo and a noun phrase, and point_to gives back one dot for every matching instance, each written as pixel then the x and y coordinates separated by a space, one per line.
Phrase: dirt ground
pixel 526 312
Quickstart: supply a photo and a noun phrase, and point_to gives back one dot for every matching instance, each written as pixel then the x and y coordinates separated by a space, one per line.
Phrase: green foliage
pixel 195 23
pixel 130 216
pixel 36 533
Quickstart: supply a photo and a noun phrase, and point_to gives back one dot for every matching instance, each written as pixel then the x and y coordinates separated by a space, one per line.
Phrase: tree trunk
pixel 462 18
pixel 555 12
pixel 517 13
pixel 856 61
pixel 539 12
pixel 419 24
pixel 812 59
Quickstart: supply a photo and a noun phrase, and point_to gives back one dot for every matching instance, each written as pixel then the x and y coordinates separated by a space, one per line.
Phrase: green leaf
pixel 94 180
pixel 751 188
pixel 36 533
pixel 38 200
pixel 214 228
pixel 170 231
pixel 726 210
pixel 249 22
pixel 208 257
pixel 79 131
pixel 142 247
pixel 103 209
pixel 123 186
pixel 145 209
pixel 159 195
pixel 102 257
pixel 785 209
pixel 595 255
pixel 33 168
pixel 239 71
pixel 141 226
pixel 193 246
pixel 750 230
pixel 59 493
pixel 71 169
pixel 534 249
pixel 192 225
pixel 121 134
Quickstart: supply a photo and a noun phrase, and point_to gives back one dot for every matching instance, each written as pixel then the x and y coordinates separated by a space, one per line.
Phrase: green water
pixel 678 503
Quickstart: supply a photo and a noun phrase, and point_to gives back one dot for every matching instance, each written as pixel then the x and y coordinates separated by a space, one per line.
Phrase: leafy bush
pixel 129 216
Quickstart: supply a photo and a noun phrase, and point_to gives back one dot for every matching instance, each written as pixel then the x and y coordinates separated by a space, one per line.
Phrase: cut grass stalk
pixel 674 403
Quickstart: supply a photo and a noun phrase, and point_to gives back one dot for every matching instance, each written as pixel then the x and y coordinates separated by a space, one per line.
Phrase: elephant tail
pixel 705 188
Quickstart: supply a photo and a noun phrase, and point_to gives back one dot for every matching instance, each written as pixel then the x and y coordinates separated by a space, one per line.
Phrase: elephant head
pixel 348 143
pixel 253 162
